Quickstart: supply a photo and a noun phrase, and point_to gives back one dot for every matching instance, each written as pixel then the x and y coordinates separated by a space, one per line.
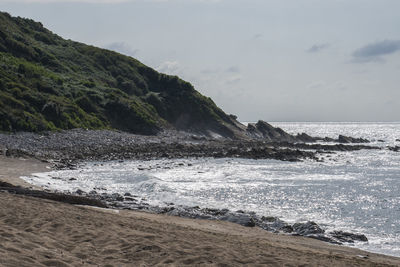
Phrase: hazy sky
pixel 276 60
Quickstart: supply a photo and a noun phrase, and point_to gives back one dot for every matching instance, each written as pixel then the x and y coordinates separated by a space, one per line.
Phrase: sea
pixel 352 191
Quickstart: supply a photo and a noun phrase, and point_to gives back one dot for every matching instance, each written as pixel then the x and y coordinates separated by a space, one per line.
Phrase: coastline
pixel 142 238
pixel 11 169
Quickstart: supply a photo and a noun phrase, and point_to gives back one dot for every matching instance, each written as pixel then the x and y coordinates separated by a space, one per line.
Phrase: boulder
pixel 239 218
pixel 308 228
pixel 348 237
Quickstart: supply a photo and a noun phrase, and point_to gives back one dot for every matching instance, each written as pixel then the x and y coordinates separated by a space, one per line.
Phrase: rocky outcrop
pixel 308 228
pixel 348 139
pixel 348 237
pixel 394 148
pixel 264 130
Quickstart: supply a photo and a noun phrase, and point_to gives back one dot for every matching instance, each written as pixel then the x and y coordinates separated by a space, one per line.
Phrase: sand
pixel 11 169
pixel 37 232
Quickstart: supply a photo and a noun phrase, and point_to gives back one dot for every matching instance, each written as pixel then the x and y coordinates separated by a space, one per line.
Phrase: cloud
pixel 169 67
pixel 122 48
pixel 375 51
pixel 233 69
pixel 257 36
pixel 315 85
pixel 233 79
pixel 209 71
pixel 317 48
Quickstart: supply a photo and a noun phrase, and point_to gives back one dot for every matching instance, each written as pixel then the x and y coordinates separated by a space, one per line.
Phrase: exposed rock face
pixel 348 237
pixel 303 137
pixel 348 139
pixel 264 130
pixel 308 228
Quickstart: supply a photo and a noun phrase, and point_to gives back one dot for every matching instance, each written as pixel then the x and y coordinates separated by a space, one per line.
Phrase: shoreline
pixel 65 148
pixel 343 253
pixel 11 170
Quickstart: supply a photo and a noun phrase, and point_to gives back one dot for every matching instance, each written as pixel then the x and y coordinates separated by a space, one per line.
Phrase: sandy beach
pixel 38 232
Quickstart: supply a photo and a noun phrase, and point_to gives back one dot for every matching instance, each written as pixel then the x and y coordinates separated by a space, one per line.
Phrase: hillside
pixel 49 83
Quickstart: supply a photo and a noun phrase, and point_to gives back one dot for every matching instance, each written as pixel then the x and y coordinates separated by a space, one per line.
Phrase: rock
pixel 268 219
pixel 397 140
pixel 303 137
pixel 117 197
pixel 380 140
pixel 127 194
pixel 239 218
pixel 166 210
pixel 325 239
pixel 215 212
pixel 251 223
pixel 308 228
pixel 129 199
pixel 79 192
pixel 394 148
pixel 72 179
pixel 287 229
pixel 348 237
pixel 348 139
pixel 264 130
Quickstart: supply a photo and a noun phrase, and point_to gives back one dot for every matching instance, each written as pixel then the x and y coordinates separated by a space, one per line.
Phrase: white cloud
pixel 169 67
pixel 123 48
pixel 233 79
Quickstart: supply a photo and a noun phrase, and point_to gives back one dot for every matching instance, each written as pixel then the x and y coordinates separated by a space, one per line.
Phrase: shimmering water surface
pixel 353 191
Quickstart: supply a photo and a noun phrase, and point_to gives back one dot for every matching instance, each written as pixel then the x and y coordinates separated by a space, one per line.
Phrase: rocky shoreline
pixel 245 218
pixel 65 149
pixel 129 201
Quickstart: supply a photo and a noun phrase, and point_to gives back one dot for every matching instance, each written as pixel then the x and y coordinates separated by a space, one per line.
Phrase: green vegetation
pixel 48 83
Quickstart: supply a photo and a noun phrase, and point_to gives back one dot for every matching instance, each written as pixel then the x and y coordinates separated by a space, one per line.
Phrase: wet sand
pixel 38 232
pixel 11 169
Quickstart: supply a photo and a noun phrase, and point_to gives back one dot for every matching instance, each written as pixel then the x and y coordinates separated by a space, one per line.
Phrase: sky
pixel 275 60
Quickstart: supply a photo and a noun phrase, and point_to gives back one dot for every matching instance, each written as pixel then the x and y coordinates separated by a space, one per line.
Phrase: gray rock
pixel 348 237
pixel 308 228
pixel 394 148
pixel 239 218
pixel 348 139
pixel 325 239
pixel 79 192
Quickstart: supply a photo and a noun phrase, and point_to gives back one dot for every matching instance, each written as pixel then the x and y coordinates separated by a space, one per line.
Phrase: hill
pixel 49 83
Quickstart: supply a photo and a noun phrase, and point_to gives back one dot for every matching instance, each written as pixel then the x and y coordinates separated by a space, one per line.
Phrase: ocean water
pixel 352 191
